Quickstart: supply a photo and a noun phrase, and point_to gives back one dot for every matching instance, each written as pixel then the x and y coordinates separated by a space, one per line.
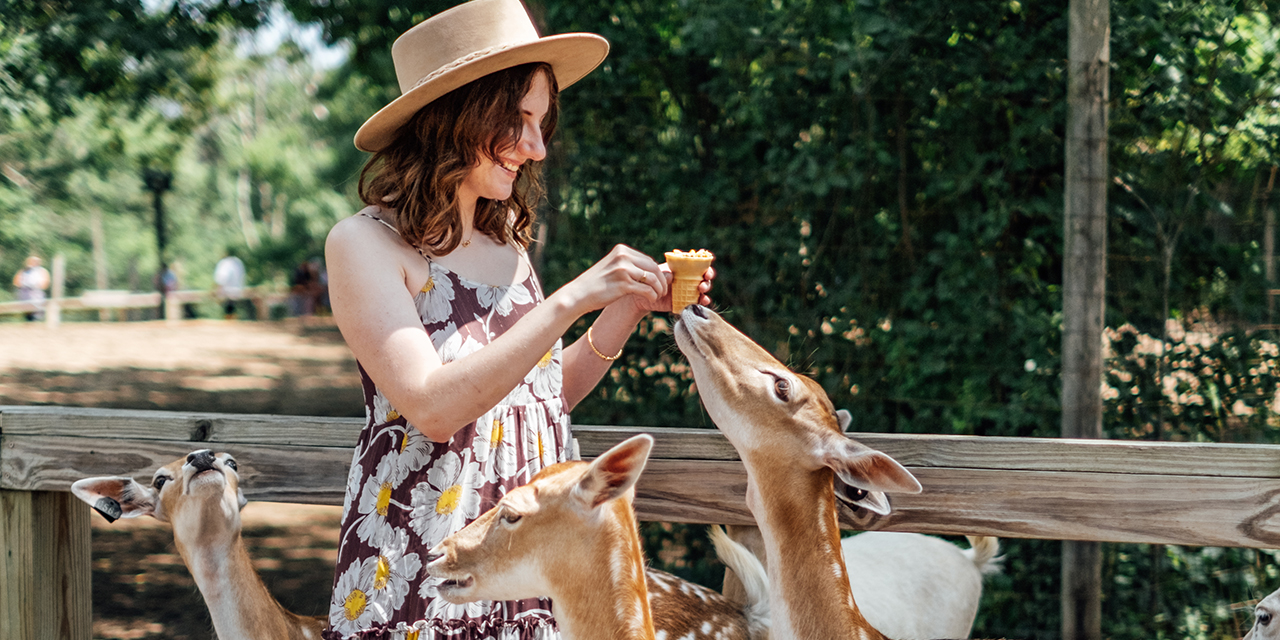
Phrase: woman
pixel 434 272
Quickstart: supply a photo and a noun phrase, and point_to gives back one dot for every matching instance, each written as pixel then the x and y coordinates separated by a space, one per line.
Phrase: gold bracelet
pixel 602 356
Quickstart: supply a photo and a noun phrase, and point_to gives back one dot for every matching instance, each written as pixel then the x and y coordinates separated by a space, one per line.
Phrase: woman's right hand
pixel 623 272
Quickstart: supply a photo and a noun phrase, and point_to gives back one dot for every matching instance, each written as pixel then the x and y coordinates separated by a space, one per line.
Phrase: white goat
pixel 915 587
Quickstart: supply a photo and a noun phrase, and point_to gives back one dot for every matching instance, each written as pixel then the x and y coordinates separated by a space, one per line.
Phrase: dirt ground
pixel 295 367
pixel 141 589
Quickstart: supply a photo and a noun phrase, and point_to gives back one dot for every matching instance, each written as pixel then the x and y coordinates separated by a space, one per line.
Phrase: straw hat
pixel 471 40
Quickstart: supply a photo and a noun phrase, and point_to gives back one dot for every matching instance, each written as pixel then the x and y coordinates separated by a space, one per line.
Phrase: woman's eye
pixel 782 389
pixel 158 483
pixel 232 463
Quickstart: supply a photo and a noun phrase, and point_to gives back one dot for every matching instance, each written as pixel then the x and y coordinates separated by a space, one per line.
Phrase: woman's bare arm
pixel 375 311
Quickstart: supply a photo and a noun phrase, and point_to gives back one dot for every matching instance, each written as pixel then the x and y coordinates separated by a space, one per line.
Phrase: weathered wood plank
pixel 1025 454
pixel 309 475
pixel 63 566
pixel 17 570
pixel 192 427
pixel 1165 508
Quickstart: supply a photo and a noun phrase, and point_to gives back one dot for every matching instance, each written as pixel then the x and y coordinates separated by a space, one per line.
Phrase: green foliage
pixel 253 166
pixel 1202 384
pixel 58 50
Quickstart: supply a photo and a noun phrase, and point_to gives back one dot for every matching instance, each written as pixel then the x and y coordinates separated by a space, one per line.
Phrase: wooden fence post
pixel 53 306
pixel 1084 283
pixel 45 567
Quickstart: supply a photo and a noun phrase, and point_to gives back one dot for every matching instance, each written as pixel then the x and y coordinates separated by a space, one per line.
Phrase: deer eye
pixel 510 517
pixel 232 464
pixel 1264 618
pixel 782 389
pixel 158 482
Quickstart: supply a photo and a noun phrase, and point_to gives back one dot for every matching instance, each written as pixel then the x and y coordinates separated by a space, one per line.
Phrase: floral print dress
pixel 405 493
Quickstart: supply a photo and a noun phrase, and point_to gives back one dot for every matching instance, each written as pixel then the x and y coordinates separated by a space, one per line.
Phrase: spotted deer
pixel 199 495
pixel 570 534
pixel 790 439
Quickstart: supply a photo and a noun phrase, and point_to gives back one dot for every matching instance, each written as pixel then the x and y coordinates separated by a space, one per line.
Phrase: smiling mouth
pixel 509 166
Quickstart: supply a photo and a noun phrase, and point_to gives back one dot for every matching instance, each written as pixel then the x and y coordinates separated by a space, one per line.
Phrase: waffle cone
pixel 684 292
pixel 687 267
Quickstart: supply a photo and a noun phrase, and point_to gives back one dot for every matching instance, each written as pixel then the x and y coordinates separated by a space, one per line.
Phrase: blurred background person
pixel 228 280
pixel 31 282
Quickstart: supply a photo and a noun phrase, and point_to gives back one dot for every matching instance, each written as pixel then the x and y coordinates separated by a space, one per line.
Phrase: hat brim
pixel 571 56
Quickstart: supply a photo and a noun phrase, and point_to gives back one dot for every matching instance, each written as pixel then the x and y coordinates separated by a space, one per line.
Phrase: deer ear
pixel 861 466
pixel 845 418
pixel 615 472
pixel 116 497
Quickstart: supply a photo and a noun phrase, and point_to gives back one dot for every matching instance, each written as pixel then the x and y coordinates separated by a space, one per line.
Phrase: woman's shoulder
pixel 369 225
pixel 367 234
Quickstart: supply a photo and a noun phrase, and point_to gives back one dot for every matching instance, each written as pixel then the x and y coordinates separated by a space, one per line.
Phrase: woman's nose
pixel 531 144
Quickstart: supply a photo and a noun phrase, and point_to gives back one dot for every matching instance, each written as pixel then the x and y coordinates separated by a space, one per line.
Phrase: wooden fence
pixel 1117 491
pixel 107 301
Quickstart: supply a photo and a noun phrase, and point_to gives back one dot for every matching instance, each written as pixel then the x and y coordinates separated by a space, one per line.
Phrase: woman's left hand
pixel 663 304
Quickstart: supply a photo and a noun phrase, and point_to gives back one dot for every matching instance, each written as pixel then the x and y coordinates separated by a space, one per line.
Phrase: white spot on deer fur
pixel 706 628
pixel 660 635
pixel 687 636
pixel 837 569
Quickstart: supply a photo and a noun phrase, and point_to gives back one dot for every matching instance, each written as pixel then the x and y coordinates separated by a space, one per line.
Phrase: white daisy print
pixel 388 575
pixel 451 345
pixel 539 447
pixel 447 500
pixel 441 609
pixel 503 299
pixel 494 445
pixel 349 609
pixel 435 298
pixel 375 502
pixel 519 396
pixel 545 377
pixel 383 412
pixel 415 451
pixel 353 483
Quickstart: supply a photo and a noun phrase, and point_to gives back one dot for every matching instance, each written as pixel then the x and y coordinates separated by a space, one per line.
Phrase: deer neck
pixel 808 582
pixel 613 602
pixel 239 603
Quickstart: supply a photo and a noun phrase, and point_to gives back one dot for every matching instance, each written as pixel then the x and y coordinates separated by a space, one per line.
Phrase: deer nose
pixel 700 311
pixel 201 460
pixel 432 556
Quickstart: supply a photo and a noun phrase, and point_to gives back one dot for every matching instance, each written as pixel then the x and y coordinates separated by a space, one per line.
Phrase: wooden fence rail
pixel 1117 491
pixel 111 300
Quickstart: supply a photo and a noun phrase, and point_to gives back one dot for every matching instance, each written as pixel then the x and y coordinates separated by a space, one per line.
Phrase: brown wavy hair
pixel 419 173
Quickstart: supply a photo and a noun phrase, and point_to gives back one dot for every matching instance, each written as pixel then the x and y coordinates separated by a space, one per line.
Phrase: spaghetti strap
pixel 396 231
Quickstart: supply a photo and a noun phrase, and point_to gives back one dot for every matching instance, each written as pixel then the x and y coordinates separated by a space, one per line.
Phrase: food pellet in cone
pixel 687 267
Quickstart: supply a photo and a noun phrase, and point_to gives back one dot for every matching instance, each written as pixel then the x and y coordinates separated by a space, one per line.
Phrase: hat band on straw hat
pixel 461 61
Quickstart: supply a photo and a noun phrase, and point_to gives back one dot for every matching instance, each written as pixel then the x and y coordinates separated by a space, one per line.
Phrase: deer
pixel 199 495
pixel 896 572
pixel 570 534
pixel 1264 615
pixel 797 457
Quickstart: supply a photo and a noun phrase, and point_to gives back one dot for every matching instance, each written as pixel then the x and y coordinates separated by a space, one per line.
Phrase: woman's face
pixel 495 180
